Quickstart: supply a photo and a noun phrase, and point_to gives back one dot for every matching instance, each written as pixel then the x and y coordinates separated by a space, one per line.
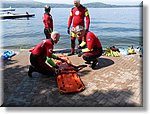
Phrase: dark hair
pixel 47 8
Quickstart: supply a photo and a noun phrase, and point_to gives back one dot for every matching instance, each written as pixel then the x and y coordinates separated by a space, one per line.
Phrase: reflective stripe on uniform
pixel 73 34
pixel 70 13
pixel 50 30
pixel 86 13
pixel 83 43
pixel 86 50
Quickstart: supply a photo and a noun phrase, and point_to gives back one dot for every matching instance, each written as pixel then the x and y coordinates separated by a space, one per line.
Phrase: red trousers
pixel 91 56
pixel 40 65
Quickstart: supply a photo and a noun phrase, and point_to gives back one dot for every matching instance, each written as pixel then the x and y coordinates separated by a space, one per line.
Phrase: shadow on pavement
pixel 12 77
pixel 103 62
pixel 22 91
pixel 62 51
pixel 83 72
pixel 9 62
pixel 51 98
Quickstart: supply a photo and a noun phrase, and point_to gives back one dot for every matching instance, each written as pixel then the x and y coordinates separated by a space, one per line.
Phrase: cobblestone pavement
pixel 116 81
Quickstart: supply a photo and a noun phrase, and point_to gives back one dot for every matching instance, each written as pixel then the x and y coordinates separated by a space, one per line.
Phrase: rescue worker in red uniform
pixel 48 22
pixel 77 15
pixel 93 44
pixel 44 52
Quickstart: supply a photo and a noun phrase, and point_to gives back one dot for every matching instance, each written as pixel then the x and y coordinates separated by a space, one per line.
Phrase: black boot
pixel 88 62
pixel 70 54
pixel 94 64
pixel 31 69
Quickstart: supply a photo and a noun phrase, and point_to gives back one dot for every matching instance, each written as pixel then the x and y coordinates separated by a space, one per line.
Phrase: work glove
pixel 80 54
pixel 68 31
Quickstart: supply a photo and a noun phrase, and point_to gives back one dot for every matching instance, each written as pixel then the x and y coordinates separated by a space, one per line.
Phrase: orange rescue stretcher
pixel 68 80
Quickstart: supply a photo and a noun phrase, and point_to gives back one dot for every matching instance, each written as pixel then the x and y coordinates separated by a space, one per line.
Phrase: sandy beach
pixel 116 81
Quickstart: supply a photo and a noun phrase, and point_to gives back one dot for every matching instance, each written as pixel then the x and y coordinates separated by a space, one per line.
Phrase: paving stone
pixel 117 84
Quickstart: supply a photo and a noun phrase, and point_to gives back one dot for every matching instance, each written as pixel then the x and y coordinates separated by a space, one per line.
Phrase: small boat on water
pixel 7 9
pixel 10 15
pixel 7 13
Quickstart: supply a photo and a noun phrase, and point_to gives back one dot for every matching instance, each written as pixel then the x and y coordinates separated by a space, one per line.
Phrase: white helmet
pixel 78 28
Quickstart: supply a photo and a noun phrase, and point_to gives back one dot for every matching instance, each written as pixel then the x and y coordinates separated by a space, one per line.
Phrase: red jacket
pixel 48 21
pixel 44 48
pixel 92 41
pixel 77 14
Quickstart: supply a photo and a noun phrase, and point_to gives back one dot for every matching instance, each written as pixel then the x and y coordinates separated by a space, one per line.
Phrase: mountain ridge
pixel 31 4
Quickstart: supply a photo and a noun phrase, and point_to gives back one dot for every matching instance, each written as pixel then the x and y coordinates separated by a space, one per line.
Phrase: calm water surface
pixel 121 27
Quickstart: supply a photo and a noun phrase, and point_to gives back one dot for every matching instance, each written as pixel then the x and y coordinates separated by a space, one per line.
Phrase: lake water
pixel 121 27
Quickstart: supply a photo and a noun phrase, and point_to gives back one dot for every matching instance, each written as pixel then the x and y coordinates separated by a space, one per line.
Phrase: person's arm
pixel 54 56
pixel 50 24
pixel 83 43
pixel 87 19
pixel 51 62
pixel 58 58
pixel 70 19
pixel 86 50
pixel 90 44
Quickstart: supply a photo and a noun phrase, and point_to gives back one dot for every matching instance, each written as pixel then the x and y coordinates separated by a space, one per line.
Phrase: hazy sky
pixel 87 1
pixel 117 2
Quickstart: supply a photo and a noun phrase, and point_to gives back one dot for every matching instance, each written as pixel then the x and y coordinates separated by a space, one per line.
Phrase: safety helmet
pixel 78 28
pixel 47 8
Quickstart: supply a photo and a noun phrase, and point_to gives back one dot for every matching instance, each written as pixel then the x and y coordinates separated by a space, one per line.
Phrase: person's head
pixel 47 9
pixel 76 3
pixel 79 30
pixel 55 36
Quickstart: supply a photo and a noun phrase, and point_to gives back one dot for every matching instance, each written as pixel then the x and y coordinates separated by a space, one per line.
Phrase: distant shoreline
pixel 54 5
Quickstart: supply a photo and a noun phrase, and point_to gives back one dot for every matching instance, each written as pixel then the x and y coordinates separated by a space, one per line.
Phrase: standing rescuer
pixel 43 53
pixel 48 22
pixel 77 15
pixel 93 44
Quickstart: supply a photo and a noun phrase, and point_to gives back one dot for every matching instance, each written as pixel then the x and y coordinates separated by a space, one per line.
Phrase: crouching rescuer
pixel 90 49
pixel 42 54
